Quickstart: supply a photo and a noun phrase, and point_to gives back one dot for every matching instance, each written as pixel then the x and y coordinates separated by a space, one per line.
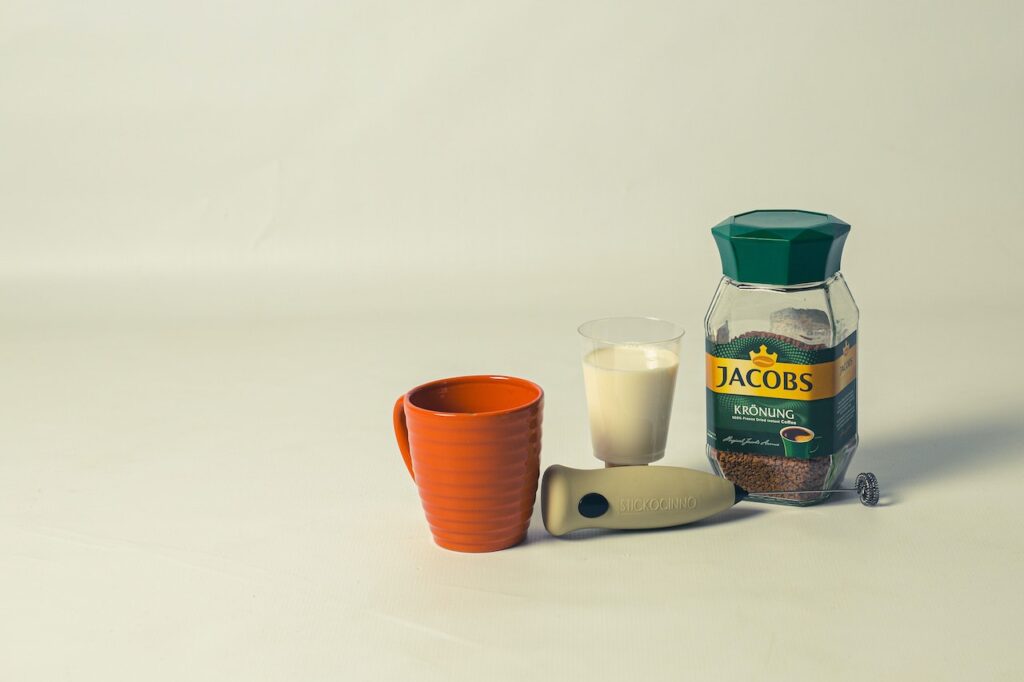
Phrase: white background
pixel 233 233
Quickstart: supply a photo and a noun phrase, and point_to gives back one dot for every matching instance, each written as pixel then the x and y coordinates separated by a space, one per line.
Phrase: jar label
pixel 771 395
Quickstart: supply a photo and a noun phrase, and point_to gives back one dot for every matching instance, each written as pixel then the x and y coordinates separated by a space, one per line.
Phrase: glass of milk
pixel 629 368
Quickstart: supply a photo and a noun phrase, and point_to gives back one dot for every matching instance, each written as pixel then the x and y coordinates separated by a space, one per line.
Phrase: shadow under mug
pixel 472 445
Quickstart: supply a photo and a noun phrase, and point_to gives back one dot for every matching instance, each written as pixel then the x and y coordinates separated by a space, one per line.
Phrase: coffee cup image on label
pixel 798 441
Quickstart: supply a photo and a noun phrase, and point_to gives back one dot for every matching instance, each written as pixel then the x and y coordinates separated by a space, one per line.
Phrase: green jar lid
pixel 780 247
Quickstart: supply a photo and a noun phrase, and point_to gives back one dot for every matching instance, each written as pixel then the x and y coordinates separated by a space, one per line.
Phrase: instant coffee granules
pixel 781 342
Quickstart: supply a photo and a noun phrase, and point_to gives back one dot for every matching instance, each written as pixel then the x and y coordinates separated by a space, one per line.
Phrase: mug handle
pixel 816 446
pixel 402 434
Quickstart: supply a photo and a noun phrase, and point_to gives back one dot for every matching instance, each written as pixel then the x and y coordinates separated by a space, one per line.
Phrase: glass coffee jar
pixel 781 356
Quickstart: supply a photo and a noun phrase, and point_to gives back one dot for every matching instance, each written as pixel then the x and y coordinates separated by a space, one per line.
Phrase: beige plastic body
pixel 638 497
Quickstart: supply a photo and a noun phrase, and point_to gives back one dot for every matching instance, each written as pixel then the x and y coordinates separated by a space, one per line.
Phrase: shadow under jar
pixel 781 356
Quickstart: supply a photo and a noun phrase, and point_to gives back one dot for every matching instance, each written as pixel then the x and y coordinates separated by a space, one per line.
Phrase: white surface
pixel 220 502
pixel 232 236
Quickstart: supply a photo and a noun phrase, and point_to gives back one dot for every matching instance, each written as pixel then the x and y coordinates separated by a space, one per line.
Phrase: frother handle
pixel 631 497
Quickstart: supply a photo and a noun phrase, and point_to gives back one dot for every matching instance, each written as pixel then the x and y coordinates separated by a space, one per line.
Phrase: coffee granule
pixel 787 339
pixel 763 473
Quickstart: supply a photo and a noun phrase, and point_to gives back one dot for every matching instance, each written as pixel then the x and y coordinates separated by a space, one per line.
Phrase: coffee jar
pixel 781 356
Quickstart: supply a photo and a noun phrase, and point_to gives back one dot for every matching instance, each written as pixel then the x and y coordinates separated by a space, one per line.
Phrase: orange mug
pixel 472 445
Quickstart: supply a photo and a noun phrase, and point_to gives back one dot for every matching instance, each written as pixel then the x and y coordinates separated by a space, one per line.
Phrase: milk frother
pixel 634 497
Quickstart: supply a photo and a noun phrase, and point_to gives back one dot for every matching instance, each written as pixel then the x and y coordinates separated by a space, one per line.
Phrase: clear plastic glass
pixel 629 369
pixel 814 316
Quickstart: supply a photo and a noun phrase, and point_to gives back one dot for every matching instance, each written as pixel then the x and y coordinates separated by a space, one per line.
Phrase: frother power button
pixel 593 505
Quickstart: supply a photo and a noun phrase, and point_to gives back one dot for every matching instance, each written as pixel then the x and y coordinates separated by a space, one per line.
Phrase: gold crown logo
pixel 763 358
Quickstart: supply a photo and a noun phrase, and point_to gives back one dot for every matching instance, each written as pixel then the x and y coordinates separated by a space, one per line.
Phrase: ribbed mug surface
pixel 472 445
